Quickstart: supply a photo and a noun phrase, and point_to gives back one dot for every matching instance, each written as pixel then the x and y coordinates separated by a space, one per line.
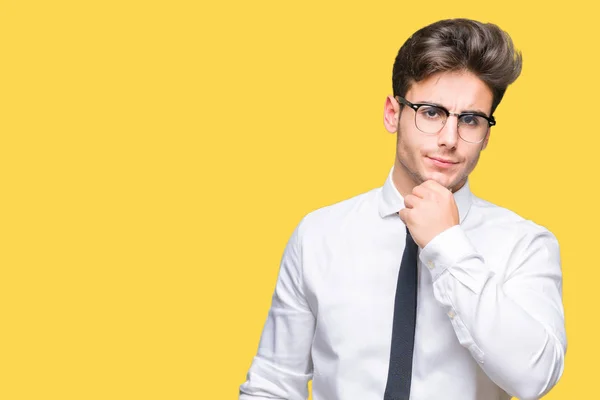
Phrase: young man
pixel 419 289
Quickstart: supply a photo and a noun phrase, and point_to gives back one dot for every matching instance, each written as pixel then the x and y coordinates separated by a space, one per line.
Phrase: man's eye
pixel 431 112
pixel 471 120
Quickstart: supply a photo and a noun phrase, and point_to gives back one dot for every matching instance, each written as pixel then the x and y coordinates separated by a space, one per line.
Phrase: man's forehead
pixel 452 89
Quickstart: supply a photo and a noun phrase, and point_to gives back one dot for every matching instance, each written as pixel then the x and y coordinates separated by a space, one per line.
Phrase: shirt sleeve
pixel 282 366
pixel 513 325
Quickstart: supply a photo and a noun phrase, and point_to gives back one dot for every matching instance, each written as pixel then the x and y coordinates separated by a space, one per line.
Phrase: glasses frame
pixel 415 106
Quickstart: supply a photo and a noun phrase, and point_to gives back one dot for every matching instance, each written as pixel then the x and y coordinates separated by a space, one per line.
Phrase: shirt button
pixel 451 314
pixel 430 264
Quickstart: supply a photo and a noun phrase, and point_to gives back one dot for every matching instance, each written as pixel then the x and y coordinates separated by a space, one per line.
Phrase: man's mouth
pixel 442 162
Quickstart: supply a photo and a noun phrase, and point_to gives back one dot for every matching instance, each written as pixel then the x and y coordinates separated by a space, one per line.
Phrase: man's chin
pixel 440 178
pixel 446 181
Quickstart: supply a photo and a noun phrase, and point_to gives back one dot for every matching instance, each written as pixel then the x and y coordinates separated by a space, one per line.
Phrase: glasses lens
pixel 472 128
pixel 430 119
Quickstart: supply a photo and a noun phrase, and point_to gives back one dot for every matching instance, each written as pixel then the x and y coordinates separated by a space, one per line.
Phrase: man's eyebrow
pixel 474 112
pixel 432 103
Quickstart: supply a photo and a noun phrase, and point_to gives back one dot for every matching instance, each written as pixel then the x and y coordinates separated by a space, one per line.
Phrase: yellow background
pixel 156 156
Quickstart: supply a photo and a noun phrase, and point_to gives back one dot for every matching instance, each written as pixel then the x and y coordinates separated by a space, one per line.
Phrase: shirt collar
pixel 390 201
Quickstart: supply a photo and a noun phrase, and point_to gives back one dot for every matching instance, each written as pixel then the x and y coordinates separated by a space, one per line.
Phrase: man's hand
pixel 430 210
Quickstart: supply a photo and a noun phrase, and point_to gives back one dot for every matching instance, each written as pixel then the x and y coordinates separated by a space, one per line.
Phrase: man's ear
pixel 391 114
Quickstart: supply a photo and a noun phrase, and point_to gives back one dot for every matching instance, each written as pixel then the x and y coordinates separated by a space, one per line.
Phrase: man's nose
pixel 448 136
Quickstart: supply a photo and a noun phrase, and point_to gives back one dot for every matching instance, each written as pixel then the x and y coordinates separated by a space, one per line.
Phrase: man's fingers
pixel 435 186
pixel 422 191
pixel 410 200
pixel 403 214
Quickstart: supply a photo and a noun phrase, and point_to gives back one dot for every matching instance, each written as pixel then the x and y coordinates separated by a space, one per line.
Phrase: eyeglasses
pixel 430 119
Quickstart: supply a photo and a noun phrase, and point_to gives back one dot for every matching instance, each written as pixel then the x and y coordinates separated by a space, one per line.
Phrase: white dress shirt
pixel 490 320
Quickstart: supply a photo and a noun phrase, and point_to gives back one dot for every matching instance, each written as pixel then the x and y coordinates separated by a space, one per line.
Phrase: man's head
pixel 463 66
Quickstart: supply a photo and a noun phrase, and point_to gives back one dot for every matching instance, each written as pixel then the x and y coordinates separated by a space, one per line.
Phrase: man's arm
pixel 512 325
pixel 282 367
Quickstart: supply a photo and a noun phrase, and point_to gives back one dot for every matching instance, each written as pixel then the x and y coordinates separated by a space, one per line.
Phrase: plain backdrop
pixel 155 157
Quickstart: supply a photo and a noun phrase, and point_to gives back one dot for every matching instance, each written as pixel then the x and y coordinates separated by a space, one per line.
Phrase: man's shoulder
pixel 363 205
pixel 491 214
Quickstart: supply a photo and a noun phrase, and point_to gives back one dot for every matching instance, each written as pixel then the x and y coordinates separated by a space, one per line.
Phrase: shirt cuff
pixel 452 250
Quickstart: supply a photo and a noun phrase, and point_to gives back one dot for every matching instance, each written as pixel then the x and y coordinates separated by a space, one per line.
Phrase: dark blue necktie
pixel 403 332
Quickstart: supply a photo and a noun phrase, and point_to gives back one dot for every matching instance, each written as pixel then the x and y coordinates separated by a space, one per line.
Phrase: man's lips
pixel 442 162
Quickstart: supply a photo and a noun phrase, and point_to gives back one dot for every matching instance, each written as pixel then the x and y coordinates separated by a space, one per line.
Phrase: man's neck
pixel 403 181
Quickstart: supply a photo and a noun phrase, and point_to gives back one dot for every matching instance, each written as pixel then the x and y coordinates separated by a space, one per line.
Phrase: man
pixel 419 289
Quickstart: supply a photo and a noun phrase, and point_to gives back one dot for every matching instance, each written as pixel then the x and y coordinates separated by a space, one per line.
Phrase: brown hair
pixel 454 45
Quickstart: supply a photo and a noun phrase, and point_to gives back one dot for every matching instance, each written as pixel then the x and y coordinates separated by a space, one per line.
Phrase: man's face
pixel 444 157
